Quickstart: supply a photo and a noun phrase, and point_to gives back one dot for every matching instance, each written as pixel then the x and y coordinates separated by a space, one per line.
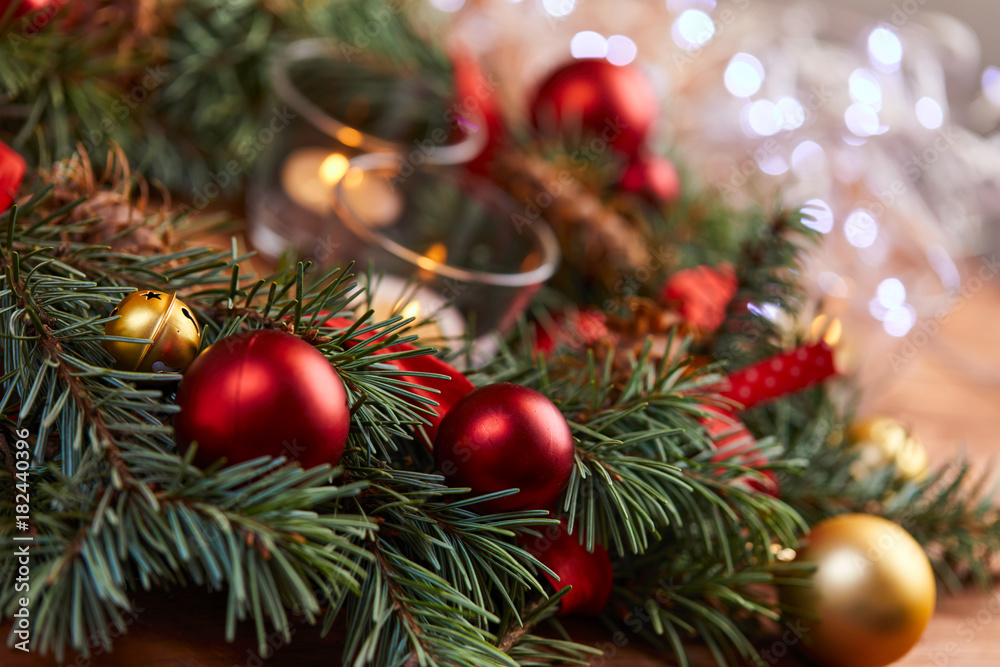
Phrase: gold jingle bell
pixel 873 592
pixel 161 318
pixel 881 441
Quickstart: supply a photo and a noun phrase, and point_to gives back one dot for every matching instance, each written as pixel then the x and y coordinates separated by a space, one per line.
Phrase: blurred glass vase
pixel 455 238
pixel 341 109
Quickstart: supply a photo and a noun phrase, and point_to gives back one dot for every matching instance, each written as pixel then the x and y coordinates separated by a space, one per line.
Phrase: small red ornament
pixel 593 98
pixel 576 329
pixel 263 393
pixel 590 574
pixel 448 391
pixel 12 168
pixel 701 294
pixel 654 177
pixel 781 374
pixel 25 7
pixel 504 436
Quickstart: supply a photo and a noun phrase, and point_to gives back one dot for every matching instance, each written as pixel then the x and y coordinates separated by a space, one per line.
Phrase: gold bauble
pixel 882 441
pixel 873 592
pixel 161 318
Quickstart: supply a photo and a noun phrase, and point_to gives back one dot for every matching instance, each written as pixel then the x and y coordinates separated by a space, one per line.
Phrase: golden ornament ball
pixel 161 318
pixel 882 441
pixel 873 592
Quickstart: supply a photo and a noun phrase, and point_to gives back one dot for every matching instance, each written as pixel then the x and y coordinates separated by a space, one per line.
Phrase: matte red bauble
pixel 505 436
pixel 593 98
pixel 655 177
pixel 264 393
pixel 590 574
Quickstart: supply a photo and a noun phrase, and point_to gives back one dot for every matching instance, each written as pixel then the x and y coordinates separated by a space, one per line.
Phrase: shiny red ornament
pixel 655 177
pixel 701 294
pixel 588 100
pixel 12 168
pixel 263 393
pixel 504 436
pixel 590 574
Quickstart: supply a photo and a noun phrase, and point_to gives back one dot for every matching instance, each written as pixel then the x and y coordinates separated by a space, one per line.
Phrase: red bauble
pixel 655 177
pixel 264 393
pixel 590 574
pixel 589 98
pixel 505 436
pixel 12 168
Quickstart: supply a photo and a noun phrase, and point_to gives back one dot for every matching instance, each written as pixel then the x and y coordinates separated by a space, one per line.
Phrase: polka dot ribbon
pixel 782 374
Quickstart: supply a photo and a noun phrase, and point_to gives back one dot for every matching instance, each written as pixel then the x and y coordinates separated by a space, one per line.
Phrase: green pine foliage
pixel 410 570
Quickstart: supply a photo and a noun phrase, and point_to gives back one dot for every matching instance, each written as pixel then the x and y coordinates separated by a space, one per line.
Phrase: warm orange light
pixel 349 136
pixel 826 328
pixel 832 335
pixel 436 255
pixel 333 168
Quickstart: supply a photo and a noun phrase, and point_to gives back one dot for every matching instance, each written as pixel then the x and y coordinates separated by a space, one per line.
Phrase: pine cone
pixel 595 239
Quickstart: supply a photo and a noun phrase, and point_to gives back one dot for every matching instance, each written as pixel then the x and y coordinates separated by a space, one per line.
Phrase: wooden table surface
pixel 949 393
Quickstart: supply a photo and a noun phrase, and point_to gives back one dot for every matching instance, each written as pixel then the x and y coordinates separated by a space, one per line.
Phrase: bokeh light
pixel 821 214
pixel 891 293
pixel 764 118
pixel 621 50
pixel 744 75
pixel 861 229
pixel 692 29
pixel 929 113
pixel 861 120
pixel 774 165
pixel 448 5
pixel 808 158
pixel 885 49
pixel 898 321
pixel 588 44
pixel 864 87
pixel 559 8
pixel 792 113
pixel 991 84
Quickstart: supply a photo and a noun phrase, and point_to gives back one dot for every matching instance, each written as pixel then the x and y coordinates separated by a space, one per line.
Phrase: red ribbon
pixel 449 391
pixel 779 375
pixel 12 168
pixel 737 444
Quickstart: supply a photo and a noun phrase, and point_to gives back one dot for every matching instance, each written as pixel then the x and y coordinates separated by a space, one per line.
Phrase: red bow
pixel 12 168
pixel 449 391
pixel 701 294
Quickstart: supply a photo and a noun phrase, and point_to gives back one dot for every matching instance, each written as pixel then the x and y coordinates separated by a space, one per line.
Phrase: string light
pixel 744 75
pixel 929 113
pixel 621 50
pixel 821 214
pixel 861 228
pixel 885 50
pixel 692 29
pixel 588 44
